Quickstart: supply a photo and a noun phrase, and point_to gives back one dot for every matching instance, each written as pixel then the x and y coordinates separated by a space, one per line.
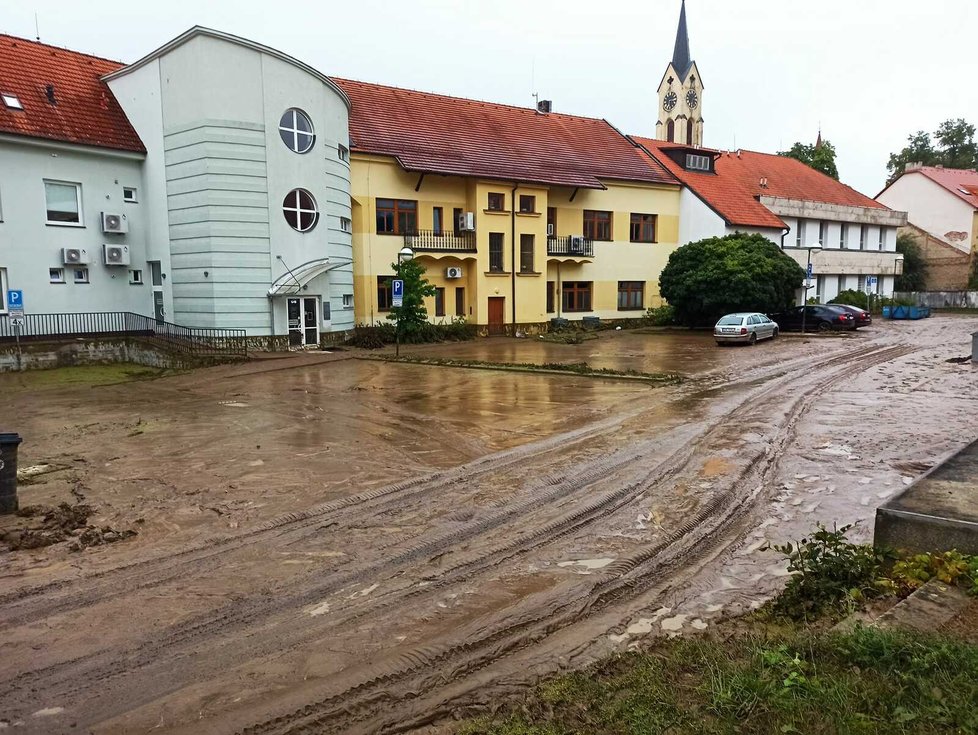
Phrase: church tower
pixel 681 94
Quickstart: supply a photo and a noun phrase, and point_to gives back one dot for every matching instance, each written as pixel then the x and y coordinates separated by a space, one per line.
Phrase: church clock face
pixel 691 99
pixel 669 101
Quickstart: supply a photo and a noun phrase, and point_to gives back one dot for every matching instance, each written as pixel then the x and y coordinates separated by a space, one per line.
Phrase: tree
pixel 412 316
pixel 955 148
pixel 820 156
pixel 914 276
pixel 706 279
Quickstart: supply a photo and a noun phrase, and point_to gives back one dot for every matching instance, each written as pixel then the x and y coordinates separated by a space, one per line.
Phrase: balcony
pixel 428 241
pixel 570 246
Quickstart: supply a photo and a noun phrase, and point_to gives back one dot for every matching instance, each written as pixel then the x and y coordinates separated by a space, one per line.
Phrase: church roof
pixel 681 60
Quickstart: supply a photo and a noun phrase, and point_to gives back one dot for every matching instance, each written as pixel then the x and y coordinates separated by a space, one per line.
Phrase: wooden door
pixel 497 311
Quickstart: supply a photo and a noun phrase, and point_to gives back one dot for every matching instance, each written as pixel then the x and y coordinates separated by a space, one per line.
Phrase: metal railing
pixel 446 241
pixel 570 245
pixel 196 341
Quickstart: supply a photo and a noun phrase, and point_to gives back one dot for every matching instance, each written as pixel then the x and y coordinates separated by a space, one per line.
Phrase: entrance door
pixel 156 278
pixel 303 314
pixel 497 311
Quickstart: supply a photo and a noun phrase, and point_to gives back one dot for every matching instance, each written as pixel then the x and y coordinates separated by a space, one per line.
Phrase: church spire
pixel 680 55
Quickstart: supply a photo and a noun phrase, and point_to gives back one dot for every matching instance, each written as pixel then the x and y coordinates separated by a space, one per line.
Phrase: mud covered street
pixel 333 545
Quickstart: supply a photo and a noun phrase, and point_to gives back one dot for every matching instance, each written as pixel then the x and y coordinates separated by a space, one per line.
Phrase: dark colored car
pixel 863 318
pixel 818 317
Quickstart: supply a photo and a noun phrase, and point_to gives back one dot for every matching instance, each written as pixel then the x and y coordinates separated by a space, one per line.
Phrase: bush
pixel 706 279
pixel 851 298
pixel 663 316
pixel 375 337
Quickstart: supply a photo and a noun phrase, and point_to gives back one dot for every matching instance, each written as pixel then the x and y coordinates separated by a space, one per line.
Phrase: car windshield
pixel 729 320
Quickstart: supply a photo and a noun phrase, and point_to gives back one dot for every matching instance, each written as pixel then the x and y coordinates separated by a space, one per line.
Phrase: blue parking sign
pixel 15 302
pixel 397 293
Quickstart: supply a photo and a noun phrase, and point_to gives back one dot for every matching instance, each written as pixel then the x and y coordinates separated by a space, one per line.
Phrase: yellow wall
pixel 374 177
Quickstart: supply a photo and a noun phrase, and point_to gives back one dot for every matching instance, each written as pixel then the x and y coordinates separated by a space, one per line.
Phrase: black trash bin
pixel 8 472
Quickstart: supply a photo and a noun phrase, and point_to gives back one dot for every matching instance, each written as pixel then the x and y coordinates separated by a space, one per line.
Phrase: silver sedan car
pixel 746 327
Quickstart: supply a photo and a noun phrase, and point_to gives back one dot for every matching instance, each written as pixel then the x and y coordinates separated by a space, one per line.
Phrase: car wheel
pixel 752 340
pixel 775 333
pixel 824 326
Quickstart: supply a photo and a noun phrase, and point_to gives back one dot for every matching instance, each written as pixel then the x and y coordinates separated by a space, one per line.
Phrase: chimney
pixel 544 106
pixel 763 182
pixel 913 166
pixel 50 93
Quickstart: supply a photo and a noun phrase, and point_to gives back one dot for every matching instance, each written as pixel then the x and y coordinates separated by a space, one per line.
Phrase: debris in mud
pixel 46 526
pixel 959 360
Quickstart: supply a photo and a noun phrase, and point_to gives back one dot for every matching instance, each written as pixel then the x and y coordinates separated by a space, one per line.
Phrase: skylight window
pixel 12 102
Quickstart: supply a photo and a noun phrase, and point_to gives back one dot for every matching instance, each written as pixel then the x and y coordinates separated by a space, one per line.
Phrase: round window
pixel 300 210
pixel 296 131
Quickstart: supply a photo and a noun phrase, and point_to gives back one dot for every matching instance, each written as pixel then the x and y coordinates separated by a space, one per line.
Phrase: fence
pixel 196 341
pixel 942 299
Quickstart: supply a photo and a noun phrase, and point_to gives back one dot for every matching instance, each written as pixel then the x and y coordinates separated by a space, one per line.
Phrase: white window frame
pixel 134 199
pixel 3 290
pixel 343 152
pixel 347 301
pixel 823 232
pixel 299 210
pixel 696 162
pixel 800 234
pixel 86 275
pixel 882 240
pixel 135 280
pixel 844 236
pixel 346 224
pixel 56 275
pixel 78 200
pixel 11 101
pixel 863 236
pixel 296 132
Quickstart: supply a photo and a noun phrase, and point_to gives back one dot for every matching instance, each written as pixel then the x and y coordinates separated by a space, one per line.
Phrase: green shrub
pixel 851 298
pixel 662 316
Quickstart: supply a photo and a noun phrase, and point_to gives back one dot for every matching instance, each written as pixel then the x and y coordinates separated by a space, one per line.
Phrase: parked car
pixel 863 318
pixel 746 328
pixel 820 317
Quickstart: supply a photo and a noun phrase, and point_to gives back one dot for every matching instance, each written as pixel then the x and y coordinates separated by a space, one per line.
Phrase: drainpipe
pixel 784 235
pixel 512 247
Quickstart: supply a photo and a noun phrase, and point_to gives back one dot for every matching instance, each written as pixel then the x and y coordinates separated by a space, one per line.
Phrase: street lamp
pixel 808 285
pixel 404 255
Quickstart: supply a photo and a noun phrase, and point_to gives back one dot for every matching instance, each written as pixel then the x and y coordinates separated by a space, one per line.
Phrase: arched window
pixel 300 210
pixel 295 127
pixel 671 130
pixel 689 132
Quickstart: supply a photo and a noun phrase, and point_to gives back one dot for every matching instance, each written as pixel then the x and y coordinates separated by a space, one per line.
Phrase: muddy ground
pixel 331 545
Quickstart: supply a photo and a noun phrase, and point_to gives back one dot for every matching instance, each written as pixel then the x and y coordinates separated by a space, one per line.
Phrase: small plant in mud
pixel 950 567
pixel 829 573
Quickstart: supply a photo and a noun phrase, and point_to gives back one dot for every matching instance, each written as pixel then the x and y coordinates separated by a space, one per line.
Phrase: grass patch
pixel 82 375
pixel 574 368
pixel 867 681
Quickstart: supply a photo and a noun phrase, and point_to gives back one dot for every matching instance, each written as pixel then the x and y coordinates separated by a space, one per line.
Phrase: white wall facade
pixel 932 208
pixel 30 246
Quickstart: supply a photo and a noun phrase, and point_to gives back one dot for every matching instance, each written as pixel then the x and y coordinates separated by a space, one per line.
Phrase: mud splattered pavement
pixel 416 540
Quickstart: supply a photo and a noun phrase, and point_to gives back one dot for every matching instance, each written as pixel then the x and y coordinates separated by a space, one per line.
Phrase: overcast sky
pixel 870 71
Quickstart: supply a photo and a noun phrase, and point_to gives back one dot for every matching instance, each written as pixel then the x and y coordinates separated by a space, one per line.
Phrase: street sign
pixel 15 303
pixel 872 280
pixel 16 321
pixel 809 271
pixel 397 293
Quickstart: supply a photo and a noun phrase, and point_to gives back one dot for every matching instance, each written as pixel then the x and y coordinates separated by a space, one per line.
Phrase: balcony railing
pixel 446 241
pixel 570 245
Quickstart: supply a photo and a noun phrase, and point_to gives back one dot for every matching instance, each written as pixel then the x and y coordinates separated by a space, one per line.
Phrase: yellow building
pixel 518 215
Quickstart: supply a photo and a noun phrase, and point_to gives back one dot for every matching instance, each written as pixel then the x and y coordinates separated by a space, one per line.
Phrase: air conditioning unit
pixel 74 256
pixel 114 224
pixel 577 244
pixel 453 272
pixel 466 221
pixel 551 230
pixel 116 254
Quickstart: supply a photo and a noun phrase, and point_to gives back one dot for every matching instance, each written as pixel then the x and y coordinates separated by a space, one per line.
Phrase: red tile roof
pixel 461 137
pixel 734 190
pixel 86 111
pixel 962 182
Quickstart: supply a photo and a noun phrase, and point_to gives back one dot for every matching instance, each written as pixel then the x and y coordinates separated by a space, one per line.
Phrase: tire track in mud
pixel 625 579
pixel 93 675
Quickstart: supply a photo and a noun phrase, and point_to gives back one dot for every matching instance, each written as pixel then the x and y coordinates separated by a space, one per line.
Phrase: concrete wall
pixel 934 209
pixel 948 268
pixel 29 247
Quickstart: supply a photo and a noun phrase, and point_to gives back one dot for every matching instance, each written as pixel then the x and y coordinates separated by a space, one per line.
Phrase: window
pixel 63 203
pixel 823 233
pixel 397 217
pixel 347 301
pixel 863 236
pixel 576 295
pixel 459 302
pixel 552 221
pixel 136 277
pixel 597 225
pixel 528 204
pixel 882 241
pixel 129 194
pixel 631 295
pixel 457 220
pixel 844 237
pixel 384 293
pixel 689 135
pixel 295 127
pixel 697 162
pixel 497 201
pixel 861 283
pixel 436 220
pixel 440 301
pixel 79 275
pixel 551 296
pixel 327 311
pixel 12 102
pixel 346 224
pixel 495 252
pixel 343 152
pixel 642 228
pixel 671 131
pixel 800 234
pixel 820 289
pixel 56 275
pixel 840 284
pixel 300 210
pixel 526 253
